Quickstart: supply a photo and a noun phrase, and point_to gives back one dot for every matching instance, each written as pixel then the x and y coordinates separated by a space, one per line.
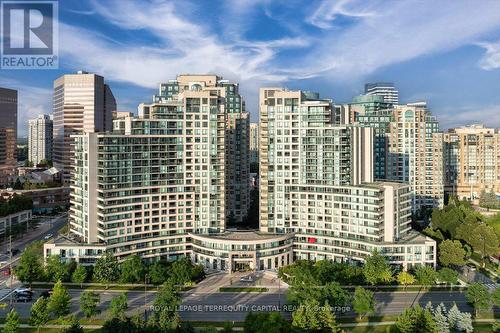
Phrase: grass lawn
pixel 478 328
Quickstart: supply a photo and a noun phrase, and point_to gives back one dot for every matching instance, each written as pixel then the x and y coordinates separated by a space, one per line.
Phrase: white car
pixel 48 236
pixel 246 279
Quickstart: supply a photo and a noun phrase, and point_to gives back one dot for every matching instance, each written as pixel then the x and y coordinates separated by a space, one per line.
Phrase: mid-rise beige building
pixel 83 103
pixel 472 161
pixel 415 154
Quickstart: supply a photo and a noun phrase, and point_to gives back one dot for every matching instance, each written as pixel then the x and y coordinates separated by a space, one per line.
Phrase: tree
pixel 167 301
pixel 266 322
pixel 464 323
pixel 453 316
pixel 118 306
pixel 79 275
pixel 451 253
pixel 416 320
pixel 40 314
pixel 56 270
pixel 88 303
pixel 59 301
pixel 495 297
pixel 425 275
pixel 448 275
pixel 12 322
pixel 364 302
pixel 441 320
pixel 158 272
pixel 405 278
pixel 74 327
pixel 106 269
pixel 180 271
pixel 313 317
pixel 132 270
pixel 478 296
pixel 484 241
pixel 376 269
pixel 30 266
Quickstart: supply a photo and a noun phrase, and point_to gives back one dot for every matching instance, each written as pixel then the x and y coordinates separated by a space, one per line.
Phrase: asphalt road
pixel 235 306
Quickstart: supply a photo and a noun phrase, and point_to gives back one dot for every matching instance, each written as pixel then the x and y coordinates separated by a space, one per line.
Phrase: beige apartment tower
pixel 415 154
pixel 472 161
pixel 83 103
pixel 40 139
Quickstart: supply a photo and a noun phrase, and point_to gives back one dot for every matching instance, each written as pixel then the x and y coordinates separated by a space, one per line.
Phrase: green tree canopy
pixel 376 269
pixel 79 275
pixel 12 322
pixel 448 275
pixel 416 320
pixel 39 314
pixel 106 269
pixel 266 322
pixel 166 303
pixel 405 278
pixel 118 306
pixel 364 302
pixel 132 270
pixel 88 303
pixel 59 301
pixel 30 266
pixel 478 296
pixel 484 240
pixel 451 253
pixel 425 275
pixel 56 270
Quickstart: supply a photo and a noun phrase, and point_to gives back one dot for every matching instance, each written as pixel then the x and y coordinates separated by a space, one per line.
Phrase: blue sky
pixel 445 52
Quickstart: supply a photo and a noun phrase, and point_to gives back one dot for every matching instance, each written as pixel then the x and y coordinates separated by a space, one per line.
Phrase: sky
pixel 444 52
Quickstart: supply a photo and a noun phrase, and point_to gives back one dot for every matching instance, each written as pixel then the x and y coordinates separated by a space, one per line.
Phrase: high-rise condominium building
pixel 254 143
pixel 472 161
pixel 8 134
pixel 159 185
pixel 82 103
pixel 415 154
pixel 384 89
pixel 317 182
pixel 372 111
pixel 40 139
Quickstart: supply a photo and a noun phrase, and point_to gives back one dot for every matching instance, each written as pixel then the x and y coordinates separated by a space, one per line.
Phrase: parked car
pixel 23 295
pixel 48 236
pixel 46 293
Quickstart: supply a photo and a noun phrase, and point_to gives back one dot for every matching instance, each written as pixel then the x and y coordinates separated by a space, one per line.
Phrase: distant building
pixel 373 111
pixel 82 103
pixel 45 200
pixel 40 139
pixel 384 89
pixel 415 154
pixel 254 143
pixel 472 161
pixel 121 114
pixel 8 134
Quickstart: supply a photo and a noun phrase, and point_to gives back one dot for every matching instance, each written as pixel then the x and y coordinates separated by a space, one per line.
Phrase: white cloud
pixel 491 58
pixel 326 13
pixel 385 33
pixel 489 115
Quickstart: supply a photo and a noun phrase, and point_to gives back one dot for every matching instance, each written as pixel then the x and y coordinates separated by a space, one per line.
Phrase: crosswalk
pixel 4 293
pixel 491 286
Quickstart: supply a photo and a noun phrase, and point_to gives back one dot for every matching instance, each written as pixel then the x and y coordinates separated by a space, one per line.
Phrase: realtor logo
pixel 29 33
